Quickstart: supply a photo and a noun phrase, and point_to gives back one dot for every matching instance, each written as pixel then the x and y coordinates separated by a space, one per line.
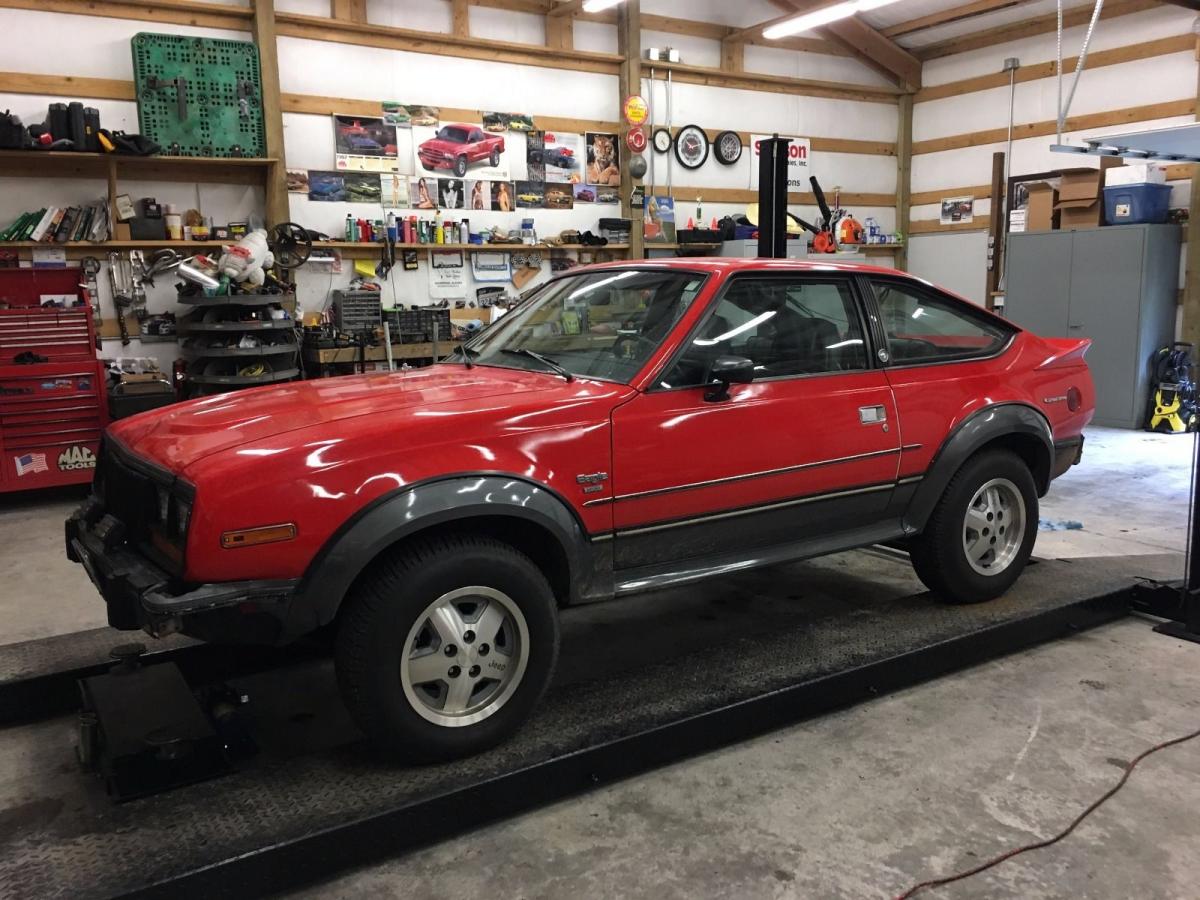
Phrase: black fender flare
pixel 978 429
pixel 416 507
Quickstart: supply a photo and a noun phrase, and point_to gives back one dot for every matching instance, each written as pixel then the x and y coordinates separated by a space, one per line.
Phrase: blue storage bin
pixel 1136 204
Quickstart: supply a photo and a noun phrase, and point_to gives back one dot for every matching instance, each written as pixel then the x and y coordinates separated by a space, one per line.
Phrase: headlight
pixel 183 512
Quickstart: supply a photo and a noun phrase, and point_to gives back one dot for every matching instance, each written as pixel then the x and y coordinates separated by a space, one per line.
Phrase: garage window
pixel 923 327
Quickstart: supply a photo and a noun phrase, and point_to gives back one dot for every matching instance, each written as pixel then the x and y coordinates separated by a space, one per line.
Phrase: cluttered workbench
pixel 348 355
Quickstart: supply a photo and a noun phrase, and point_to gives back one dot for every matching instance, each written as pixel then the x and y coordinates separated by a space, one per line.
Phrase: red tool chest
pixel 52 413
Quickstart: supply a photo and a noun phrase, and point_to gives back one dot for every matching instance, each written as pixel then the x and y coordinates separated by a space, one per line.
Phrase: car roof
pixel 734 264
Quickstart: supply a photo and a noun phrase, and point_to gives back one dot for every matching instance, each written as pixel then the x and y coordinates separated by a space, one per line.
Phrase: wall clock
pixel 691 146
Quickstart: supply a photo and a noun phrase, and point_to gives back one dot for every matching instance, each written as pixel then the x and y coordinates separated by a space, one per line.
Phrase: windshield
pixel 454 135
pixel 602 324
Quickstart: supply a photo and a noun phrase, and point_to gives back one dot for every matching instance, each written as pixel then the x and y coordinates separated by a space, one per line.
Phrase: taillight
pixel 1074 399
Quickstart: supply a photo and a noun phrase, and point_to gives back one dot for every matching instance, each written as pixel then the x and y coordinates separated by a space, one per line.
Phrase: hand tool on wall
pixel 89 267
pixel 122 291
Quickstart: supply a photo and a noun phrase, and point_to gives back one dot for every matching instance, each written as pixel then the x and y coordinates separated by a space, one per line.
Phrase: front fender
pixel 1003 420
pixel 416 507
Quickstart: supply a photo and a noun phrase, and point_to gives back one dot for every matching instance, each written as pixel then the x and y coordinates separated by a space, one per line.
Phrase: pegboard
pixel 199 96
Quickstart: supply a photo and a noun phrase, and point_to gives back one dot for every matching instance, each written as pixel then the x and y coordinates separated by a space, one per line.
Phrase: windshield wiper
pixel 544 360
pixel 466 354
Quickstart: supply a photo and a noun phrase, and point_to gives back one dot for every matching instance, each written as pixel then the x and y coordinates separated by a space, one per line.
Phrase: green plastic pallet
pixel 199 96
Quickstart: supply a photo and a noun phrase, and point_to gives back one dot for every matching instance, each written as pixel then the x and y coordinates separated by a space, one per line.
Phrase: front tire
pixel 444 649
pixel 460 166
pixel 980 535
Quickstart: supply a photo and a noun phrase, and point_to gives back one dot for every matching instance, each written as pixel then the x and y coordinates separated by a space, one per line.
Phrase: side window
pixel 923 327
pixel 785 326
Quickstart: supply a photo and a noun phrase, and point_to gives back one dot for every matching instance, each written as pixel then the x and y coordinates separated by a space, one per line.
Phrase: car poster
pixel 362 187
pixel 957 210
pixel 460 150
pixel 530 194
pixel 364 144
pixel 563 157
pixel 584 193
pixel 535 144
pixel 499 122
pixel 407 115
pixel 326 186
pixel 558 196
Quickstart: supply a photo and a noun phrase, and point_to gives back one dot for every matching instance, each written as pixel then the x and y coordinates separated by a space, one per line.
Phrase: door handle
pixel 872 415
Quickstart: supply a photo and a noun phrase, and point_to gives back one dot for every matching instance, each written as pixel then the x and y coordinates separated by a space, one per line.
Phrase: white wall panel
pixel 954 261
pixel 1162 21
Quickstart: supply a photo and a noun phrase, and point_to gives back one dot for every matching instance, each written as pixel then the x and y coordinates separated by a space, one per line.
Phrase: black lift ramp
pixel 642 681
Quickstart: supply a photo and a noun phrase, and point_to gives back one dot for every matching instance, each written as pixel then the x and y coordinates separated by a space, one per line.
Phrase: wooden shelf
pixel 360 249
pixel 881 249
pixel 329 355
pixel 65 164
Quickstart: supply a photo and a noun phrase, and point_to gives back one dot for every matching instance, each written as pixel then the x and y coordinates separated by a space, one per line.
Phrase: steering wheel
pixel 628 346
pixel 291 244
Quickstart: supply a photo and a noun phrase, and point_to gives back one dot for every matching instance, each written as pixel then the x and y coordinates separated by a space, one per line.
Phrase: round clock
pixel 691 146
pixel 662 140
pixel 728 147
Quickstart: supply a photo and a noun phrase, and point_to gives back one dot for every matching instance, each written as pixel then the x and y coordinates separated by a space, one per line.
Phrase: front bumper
pixel 140 594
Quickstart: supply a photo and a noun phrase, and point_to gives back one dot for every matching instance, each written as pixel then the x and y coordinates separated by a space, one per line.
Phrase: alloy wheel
pixel 994 527
pixel 465 656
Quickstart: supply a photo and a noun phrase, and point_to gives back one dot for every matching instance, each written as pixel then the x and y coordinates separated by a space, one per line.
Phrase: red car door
pixel 809 448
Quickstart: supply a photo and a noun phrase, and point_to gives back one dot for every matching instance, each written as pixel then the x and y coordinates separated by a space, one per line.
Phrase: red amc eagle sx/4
pixel 628 427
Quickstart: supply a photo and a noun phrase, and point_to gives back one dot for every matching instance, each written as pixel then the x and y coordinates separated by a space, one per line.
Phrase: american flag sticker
pixel 31 462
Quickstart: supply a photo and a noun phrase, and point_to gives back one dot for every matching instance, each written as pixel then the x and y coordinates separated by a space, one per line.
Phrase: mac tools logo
pixel 77 457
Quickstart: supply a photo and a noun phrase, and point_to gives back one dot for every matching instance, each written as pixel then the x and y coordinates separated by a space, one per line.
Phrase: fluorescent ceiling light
pixel 820 17
pixel 598 5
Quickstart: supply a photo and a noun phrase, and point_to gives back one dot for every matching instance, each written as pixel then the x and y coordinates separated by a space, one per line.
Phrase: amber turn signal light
pixel 249 537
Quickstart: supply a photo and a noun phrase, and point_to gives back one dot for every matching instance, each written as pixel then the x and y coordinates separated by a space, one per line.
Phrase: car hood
pixel 439 144
pixel 180 435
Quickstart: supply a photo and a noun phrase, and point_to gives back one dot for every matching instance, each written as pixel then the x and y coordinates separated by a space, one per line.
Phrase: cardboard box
pixel 1081 196
pixel 1040 209
pixel 1135 173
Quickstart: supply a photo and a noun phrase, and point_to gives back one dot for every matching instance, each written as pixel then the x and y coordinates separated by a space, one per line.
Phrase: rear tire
pixel 980 535
pixel 444 649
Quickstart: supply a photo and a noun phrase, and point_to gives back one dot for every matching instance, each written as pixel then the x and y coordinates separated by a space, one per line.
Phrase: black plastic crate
pixel 357 311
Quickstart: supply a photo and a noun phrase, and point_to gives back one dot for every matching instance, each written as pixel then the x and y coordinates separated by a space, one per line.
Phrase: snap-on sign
pixel 799 160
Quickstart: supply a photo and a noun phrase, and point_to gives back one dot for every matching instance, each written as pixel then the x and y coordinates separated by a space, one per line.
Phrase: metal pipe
pixel 650 122
pixel 1058 121
pixel 1083 52
pixel 670 119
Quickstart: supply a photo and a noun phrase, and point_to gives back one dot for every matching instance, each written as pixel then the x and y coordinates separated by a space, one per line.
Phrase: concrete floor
pixel 858 804
pixel 867 802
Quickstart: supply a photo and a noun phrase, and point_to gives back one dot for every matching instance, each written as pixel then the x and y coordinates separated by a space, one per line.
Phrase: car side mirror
pixel 727 370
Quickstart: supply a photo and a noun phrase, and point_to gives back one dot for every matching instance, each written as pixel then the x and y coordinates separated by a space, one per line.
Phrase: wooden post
pixel 904 177
pixel 629 45
pixel 996 230
pixel 278 208
pixel 348 10
pixel 560 32
pixel 461 18
pixel 733 56
pixel 1191 284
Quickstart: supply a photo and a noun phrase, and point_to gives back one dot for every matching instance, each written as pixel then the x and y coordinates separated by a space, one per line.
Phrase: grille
pixel 128 495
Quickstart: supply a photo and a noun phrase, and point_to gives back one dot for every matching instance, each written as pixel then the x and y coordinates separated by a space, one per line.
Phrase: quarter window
pixel 923 327
pixel 785 326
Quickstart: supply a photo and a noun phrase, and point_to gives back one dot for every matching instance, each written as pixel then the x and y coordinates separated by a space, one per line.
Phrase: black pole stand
pixel 1180 603
pixel 772 198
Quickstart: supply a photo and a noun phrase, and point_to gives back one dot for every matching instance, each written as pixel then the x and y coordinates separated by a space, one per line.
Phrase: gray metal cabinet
pixel 1115 285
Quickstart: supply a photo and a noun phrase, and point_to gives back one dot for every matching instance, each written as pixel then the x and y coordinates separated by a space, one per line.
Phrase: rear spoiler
pixel 1066 353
